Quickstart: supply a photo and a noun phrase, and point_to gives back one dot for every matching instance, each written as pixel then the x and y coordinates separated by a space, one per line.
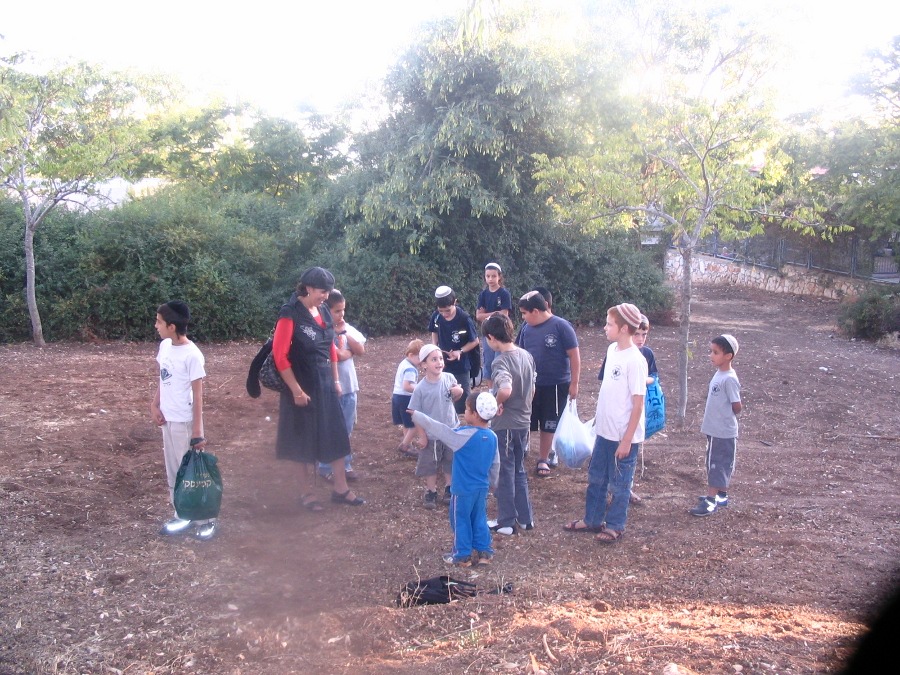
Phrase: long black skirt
pixel 315 432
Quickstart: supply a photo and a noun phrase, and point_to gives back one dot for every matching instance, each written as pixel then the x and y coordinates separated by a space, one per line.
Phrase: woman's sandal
pixel 341 498
pixel 543 470
pixel 607 536
pixel 573 527
pixel 310 503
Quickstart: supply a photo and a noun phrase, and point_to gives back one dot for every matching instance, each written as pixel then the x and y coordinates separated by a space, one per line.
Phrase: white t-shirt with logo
pixel 179 366
pixel 625 376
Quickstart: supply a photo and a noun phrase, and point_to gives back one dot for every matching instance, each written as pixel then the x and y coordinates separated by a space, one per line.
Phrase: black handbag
pixel 263 371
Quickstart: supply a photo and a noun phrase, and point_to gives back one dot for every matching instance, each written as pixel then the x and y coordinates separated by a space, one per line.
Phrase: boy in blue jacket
pixel 476 467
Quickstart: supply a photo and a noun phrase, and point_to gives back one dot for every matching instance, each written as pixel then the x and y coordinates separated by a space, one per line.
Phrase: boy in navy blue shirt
pixel 476 466
pixel 454 332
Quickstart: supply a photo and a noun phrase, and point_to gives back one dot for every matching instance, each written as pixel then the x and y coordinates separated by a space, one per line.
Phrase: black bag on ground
pixel 198 486
pixel 435 591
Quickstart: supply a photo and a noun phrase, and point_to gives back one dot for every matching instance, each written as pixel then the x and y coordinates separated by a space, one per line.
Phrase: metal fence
pixel 850 255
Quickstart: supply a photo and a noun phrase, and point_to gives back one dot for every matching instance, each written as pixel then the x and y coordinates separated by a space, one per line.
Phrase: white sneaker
pixel 553 459
pixel 507 531
pixel 492 524
pixel 206 531
pixel 175 526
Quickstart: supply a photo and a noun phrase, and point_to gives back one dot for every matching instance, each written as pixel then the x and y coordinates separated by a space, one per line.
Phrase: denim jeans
pixel 348 408
pixel 608 474
pixel 487 359
pixel 513 503
pixel 468 520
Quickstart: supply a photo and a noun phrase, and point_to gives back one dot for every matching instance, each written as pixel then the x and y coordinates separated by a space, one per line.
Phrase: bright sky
pixel 283 56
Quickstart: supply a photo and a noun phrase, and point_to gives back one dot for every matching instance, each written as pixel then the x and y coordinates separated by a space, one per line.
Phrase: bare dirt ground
pixel 783 581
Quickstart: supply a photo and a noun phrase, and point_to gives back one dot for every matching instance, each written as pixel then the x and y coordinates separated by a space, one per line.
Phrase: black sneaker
pixel 525 526
pixel 706 506
pixel 721 501
pixel 430 499
pixel 206 531
pixel 447 495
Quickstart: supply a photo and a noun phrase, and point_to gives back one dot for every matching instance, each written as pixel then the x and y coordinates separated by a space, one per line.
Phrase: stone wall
pixel 789 279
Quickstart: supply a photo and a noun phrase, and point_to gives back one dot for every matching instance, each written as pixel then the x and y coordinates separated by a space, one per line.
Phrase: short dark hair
pixel 548 296
pixel 533 300
pixel 335 298
pixel 723 344
pixel 472 401
pixel 499 327
pixel 177 313
pixel 447 301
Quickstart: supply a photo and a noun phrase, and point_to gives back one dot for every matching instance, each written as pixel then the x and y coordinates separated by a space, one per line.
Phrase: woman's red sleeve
pixel 281 343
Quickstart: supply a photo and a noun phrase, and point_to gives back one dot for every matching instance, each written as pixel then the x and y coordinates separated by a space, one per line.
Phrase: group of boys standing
pixel 532 376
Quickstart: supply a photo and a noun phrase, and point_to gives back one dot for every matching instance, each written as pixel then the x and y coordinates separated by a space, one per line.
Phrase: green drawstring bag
pixel 198 486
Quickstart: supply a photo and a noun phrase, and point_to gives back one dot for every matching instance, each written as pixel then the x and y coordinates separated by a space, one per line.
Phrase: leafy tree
pixel 64 133
pixel 276 157
pixel 185 143
pixel 862 155
pixel 690 159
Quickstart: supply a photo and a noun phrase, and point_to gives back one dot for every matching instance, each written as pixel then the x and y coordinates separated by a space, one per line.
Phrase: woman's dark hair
pixel 175 312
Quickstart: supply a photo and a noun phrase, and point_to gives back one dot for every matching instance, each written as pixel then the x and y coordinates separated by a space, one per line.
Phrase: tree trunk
pixel 684 337
pixel 37 330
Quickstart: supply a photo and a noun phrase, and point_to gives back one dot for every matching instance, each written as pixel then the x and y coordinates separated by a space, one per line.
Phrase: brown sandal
pixel 607 536
pixel 573 527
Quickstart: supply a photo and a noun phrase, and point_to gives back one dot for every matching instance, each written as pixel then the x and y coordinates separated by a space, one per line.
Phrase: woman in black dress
pixel 310 423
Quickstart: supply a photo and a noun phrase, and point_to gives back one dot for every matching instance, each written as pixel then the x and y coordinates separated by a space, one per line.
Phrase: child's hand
pixel 455 392
pixel 156 415
pixel 623 450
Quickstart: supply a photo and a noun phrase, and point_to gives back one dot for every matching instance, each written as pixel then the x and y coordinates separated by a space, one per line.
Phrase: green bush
pixel 236 258
pixel 873 315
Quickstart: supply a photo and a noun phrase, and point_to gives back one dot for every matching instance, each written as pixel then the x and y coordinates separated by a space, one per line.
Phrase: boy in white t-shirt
pixel 177 406
pixel 620 429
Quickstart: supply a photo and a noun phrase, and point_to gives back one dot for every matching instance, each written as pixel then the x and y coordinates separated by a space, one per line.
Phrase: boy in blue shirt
pixel 476 466
pixel 454 332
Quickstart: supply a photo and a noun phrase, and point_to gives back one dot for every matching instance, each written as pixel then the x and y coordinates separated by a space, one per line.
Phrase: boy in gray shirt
pixel 723 403
pixel 434 396
pixel 513 376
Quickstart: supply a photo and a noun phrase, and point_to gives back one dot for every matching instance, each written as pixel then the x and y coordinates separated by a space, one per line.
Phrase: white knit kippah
pixel 732 342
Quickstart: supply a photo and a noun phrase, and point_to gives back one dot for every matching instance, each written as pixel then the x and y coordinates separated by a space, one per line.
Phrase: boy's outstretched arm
pixel 439 431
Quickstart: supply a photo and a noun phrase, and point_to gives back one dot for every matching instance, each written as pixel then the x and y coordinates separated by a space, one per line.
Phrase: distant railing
pixel 850 255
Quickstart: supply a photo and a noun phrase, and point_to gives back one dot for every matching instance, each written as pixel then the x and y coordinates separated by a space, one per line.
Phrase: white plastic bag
pixel 572 441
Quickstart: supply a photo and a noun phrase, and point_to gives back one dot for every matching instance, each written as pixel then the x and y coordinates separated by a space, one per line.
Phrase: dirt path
pixel 780 582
